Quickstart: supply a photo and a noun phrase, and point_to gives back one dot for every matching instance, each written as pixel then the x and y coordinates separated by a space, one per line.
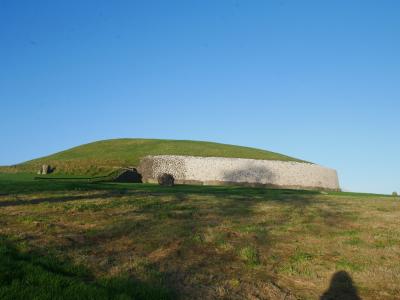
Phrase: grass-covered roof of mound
pixel 102 156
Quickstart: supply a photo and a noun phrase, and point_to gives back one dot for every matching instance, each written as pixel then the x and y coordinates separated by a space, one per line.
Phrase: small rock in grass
pixel 166 179
pixel 46 169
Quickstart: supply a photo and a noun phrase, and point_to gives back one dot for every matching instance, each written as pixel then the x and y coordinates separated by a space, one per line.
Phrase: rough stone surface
pixel 219 170
pixel 45 169
pixel 165 179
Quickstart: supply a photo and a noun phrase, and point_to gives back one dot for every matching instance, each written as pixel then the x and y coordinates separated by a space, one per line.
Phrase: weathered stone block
pixel 166 179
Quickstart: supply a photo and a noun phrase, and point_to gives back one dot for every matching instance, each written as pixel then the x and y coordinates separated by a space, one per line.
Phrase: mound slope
pixel 103 156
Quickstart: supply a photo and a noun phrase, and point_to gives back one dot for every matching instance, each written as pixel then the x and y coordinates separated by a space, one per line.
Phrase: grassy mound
pixel 103 156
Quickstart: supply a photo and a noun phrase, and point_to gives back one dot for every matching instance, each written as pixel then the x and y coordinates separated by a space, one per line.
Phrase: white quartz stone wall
pixel 212 170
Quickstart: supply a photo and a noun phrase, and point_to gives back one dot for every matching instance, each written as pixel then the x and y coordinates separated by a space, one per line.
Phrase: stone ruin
pixel 46 169
pixel 238 171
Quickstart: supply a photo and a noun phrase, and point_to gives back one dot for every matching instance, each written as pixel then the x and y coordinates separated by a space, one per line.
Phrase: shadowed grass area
pixel 102 156
pixel 207 242
pixel 25 183
pixel 30 275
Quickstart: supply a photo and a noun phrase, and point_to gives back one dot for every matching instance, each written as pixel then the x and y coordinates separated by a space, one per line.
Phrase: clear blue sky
pixel 318 80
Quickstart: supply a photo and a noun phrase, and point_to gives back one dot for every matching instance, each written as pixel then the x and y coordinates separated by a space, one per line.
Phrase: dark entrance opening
pixel 129 175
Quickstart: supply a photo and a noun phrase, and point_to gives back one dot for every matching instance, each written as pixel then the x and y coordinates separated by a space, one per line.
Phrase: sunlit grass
pixel 199 241
pixel 99 158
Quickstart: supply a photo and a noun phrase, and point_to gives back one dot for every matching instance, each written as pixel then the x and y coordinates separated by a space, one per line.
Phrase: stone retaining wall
pixel 219 170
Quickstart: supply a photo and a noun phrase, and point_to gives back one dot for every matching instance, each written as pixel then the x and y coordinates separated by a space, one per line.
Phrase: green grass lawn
pixel 26 274
pixel 79 240
pixel 101 157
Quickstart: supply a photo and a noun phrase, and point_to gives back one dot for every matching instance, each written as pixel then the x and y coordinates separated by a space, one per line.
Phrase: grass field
pixel 101 157
pixel 81 240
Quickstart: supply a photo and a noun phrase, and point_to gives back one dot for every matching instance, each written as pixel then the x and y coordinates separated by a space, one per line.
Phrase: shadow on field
pixel 11 186
pixel 37 276
pixel 341 287
pixel 197 237
pixel 54 199
pixel 180 230
pixel 300 197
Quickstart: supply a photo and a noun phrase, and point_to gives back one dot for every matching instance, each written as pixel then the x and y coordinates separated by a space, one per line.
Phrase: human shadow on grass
pixel 175 217
pixel 341 288
pixel 33 275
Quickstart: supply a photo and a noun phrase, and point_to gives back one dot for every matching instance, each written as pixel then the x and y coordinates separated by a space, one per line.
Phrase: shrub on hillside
pixel 394 194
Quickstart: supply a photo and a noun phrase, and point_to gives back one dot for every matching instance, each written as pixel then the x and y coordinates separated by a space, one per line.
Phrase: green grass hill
pixel 104 156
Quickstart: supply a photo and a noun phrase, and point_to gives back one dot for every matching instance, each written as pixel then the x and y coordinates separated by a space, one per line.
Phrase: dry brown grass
pixel 218 245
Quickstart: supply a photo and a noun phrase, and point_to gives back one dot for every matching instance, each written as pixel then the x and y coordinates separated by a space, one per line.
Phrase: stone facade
pixel 219 170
